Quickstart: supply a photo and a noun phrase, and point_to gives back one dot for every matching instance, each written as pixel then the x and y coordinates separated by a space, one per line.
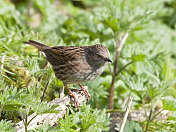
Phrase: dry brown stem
pixel 126 114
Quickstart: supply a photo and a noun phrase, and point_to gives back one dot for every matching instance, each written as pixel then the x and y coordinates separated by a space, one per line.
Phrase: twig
pixel 119 45
pixel 29 12
pixel 45 88
pixel 2 61
pixel 122 41
pixel 126 114
pixel 124 103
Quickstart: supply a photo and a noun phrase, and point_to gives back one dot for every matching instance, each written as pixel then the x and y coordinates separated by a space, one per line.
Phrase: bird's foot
pixel 75 99
pixel 76 102
pixel 85 92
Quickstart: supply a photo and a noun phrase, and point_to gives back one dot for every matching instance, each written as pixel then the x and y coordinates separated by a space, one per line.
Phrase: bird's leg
pixel 85 92
pixel 75 100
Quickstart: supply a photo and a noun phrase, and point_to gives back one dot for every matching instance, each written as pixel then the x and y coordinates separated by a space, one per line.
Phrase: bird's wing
pixel 64 54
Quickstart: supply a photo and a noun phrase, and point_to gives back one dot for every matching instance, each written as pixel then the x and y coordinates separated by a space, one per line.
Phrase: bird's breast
pixel 76 72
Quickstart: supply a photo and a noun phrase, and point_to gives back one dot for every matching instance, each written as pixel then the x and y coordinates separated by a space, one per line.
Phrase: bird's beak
pixel 109 60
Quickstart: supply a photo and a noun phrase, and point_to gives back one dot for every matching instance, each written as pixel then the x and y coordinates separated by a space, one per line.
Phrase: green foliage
pixel 131 126
pixel 122 16
pixel 6 126
pixel 169 16
pixel 50 15
pixel 10 98
pixel 99 91
pixel 169 104
pixel 85 120
pixel 33 67
pixel 146 66
pixel 44 128
pixel 147 89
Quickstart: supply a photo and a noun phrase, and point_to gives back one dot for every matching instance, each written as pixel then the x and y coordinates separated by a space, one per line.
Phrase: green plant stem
pixel 24 121
pixel 123 68
pixel 26 124
pixel 119 45
pixel 1 110
pixel 156 115
pixel 31 119
pixel 112 82
pixel 148 121
pixel 47 84
pixel 29 82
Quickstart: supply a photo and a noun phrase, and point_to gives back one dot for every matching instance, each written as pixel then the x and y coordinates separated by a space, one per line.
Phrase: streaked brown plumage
pixel 75 64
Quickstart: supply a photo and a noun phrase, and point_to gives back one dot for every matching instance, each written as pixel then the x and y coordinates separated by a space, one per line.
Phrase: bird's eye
pixel 98 55
pixel 103 58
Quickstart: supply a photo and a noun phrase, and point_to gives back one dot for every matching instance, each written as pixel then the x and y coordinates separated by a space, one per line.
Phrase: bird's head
pixel 97 55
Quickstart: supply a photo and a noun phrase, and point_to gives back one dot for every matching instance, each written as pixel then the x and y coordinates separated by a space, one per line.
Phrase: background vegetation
pixel 144 68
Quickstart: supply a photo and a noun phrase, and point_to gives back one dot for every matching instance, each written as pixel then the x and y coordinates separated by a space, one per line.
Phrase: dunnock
pixel 75 64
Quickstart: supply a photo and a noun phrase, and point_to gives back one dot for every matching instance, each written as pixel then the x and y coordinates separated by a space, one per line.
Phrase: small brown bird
pixel 75 64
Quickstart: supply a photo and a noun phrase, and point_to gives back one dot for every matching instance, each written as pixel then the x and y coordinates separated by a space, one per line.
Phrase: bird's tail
pixel 38 45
